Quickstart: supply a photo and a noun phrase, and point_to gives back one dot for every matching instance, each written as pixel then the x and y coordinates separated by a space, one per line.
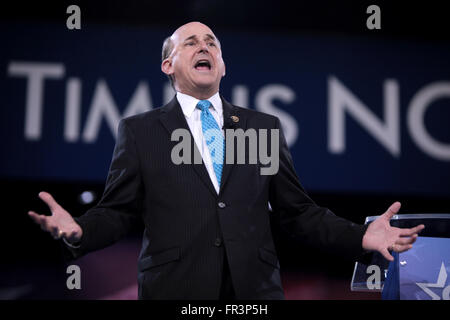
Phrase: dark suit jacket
pixel 189 228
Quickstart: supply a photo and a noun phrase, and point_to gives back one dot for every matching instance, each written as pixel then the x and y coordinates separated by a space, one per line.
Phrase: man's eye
pixel 212 44
pixel 190 43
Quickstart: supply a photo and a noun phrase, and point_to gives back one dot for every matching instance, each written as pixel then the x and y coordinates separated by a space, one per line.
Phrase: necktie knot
pixel 203 105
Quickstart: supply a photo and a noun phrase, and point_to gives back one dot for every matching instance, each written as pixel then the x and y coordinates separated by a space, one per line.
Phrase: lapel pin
pixel 235 118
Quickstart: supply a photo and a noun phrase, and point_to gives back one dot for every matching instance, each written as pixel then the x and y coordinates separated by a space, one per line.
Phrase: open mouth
pixel 202 65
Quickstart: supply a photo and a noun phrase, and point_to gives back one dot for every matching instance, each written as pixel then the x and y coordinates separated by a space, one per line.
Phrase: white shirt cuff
pixel 70 245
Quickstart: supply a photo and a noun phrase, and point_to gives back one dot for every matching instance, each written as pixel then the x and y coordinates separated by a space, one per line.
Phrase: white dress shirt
pixel 192 113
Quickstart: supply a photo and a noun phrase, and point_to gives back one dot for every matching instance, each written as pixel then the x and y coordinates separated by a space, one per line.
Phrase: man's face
pixel 195 61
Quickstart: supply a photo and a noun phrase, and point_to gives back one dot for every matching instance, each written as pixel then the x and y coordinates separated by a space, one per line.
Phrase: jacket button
pixel 221 205
pixel 218 242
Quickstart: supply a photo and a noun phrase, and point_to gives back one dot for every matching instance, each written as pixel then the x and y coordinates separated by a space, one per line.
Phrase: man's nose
pixel 203 47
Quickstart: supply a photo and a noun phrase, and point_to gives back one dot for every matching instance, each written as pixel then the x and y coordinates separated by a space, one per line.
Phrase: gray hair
pixel 167 48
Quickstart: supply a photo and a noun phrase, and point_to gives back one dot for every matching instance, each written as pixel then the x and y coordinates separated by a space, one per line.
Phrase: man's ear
pixel 166 67
pixel 224 70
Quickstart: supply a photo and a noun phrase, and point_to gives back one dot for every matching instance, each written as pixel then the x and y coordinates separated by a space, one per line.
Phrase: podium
pixel 421 273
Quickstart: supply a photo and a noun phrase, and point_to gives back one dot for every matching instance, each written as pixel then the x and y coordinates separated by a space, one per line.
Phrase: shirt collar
pixel 189 103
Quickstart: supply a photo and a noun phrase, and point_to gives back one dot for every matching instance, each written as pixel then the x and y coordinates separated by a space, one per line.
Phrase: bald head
pixel 168 42
pixel 192 59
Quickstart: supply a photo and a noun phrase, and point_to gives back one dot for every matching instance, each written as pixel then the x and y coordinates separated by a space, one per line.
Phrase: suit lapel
pixel 230 112
pixel 172 118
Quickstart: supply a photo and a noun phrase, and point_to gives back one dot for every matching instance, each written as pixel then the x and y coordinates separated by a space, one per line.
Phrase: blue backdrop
pixel 359 114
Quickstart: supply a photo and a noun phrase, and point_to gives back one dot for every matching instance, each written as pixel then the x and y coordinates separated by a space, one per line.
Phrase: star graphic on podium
pixel 442 278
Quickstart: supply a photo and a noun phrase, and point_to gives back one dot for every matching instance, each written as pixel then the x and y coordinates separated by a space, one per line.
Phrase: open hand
pixel 60 224
pixel 382 237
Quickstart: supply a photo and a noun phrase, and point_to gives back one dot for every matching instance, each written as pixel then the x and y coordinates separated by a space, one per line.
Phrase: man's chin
pixel 205 84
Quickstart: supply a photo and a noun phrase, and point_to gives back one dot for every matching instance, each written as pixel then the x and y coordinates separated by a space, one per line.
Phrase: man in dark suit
pixel 207 225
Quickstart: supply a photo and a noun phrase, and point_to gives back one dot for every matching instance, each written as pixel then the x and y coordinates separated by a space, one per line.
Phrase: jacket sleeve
pixel 302 219
pixel 120 206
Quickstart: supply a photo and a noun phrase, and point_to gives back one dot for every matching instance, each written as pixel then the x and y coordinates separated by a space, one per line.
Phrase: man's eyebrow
pixel 210 36
pixel 193 37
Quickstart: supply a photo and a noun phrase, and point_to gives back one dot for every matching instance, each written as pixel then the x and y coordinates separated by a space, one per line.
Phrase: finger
pixel 54 230
pixel 387 255
pixel 48 199
pixel 36 217
pixel 392 210
pixel 407 240
pixel 73 236
pixel 60 234
pixel 41 220
pixel 410 232
pixel 46 224
pixel 70 235
pixel 402 248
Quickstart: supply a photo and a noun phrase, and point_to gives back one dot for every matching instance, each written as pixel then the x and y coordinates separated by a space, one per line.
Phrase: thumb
pixel 393 209
pixel 49 200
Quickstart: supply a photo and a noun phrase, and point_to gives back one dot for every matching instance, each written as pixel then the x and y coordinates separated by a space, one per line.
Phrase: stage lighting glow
pixel 87 197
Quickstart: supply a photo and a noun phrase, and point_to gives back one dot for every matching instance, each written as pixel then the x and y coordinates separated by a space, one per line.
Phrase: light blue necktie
pixel 213 137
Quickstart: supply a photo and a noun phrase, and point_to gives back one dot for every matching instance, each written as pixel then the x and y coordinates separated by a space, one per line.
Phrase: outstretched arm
pixel 117 210
pixel 317 226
